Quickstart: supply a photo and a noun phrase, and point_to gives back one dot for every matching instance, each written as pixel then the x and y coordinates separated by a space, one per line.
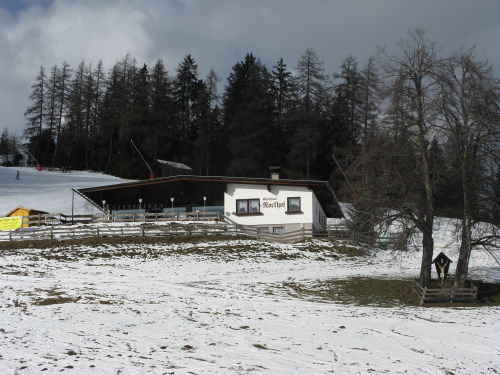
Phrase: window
pixel 244 206
pixel 293 204
pixel 278 230
pixel 261 230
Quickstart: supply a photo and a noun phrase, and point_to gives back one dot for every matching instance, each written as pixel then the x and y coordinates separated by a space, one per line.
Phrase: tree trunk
pixel 466 246
pixel 428 241
pixel 427 252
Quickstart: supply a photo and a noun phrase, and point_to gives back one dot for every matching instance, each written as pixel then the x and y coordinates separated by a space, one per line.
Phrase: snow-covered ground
pixel 211 309
pixel 47 191
pixel 219 307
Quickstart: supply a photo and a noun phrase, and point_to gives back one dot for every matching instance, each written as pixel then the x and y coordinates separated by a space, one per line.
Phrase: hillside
pixel 47 191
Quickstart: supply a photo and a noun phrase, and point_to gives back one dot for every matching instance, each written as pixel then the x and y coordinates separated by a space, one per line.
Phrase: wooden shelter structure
pixel 188 192
pixel 24 211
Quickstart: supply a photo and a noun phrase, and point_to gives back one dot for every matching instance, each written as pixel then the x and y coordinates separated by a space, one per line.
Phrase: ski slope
pixel 48 191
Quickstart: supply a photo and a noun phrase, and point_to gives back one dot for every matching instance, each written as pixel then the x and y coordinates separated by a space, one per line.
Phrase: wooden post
pixel 97 232
pixel 51 233
pixel 39 220
pixel 143 235
pixel 10 235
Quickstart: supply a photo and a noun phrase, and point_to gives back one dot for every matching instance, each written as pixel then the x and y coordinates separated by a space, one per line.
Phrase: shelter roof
pixel 153 189
pixel 30 210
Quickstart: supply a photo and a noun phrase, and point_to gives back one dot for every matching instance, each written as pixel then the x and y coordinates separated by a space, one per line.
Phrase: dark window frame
pixel 299 210
pixel 247 207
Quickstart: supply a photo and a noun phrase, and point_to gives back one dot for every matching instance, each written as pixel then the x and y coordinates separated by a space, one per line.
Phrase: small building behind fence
pixel 24 212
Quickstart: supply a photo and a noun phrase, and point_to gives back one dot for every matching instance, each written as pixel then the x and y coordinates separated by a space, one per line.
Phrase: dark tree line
pixel 85 117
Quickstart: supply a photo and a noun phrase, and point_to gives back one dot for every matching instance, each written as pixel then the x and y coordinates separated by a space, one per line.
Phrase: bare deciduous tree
pixel 415 69
pixel 470 102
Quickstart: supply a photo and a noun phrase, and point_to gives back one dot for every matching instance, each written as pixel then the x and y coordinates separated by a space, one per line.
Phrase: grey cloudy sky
pixel 219 32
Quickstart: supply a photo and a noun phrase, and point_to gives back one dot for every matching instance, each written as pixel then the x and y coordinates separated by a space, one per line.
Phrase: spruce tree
pixel 308 121
pixel 35 115
pixel 62 90
pixel 161 139
pixel 248 116
pixel 190 105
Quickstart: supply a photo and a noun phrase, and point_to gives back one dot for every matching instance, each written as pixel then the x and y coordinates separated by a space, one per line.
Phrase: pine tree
pixel 283 94
pixel 349 101
pixel 207 136
pixel 284 103
pixel 248 116
pixel 190 105
pixel 61 104
pixel 117 121
pixel 35 115
pixel 74 135
pixel 5 143
pixel 308 121
pixel 96 92
pixel 370 93
pixel 51 102
pixel 161 140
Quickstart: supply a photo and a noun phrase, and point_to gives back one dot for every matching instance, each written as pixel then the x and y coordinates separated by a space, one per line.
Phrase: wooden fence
pixel 342 232
pixel 58 218
pixel 445 294
pixel 103 231
pixel 145 230
pixel 48 228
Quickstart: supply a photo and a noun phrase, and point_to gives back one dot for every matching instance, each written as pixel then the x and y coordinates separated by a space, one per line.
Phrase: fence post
pixel 97 232
pixel 121 230
pixel 51 233
pixel 39 219
pixel 143 235
pixel 10 235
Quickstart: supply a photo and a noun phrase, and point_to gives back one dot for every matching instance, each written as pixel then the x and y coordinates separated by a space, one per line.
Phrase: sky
pixel 218 33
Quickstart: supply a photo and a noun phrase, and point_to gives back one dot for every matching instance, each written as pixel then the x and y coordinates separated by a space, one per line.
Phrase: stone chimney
pixel 275 173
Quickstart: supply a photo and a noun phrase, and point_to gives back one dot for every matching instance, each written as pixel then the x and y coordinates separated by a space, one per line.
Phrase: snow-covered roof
pixel 174 164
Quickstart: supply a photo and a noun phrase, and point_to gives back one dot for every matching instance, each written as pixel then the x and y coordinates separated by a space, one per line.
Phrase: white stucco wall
pixel 270 215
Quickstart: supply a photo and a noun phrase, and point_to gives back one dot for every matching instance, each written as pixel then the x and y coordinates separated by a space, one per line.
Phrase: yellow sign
pixel 7 223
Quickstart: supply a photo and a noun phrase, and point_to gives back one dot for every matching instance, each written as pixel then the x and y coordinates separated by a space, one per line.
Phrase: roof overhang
pixel 185 189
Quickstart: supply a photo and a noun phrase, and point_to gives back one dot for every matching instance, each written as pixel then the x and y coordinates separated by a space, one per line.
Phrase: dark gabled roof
pixel 322 189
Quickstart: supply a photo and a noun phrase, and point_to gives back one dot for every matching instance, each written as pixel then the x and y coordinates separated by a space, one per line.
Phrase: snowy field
pixel 220 306
pixel 224 308
pixel 48 191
